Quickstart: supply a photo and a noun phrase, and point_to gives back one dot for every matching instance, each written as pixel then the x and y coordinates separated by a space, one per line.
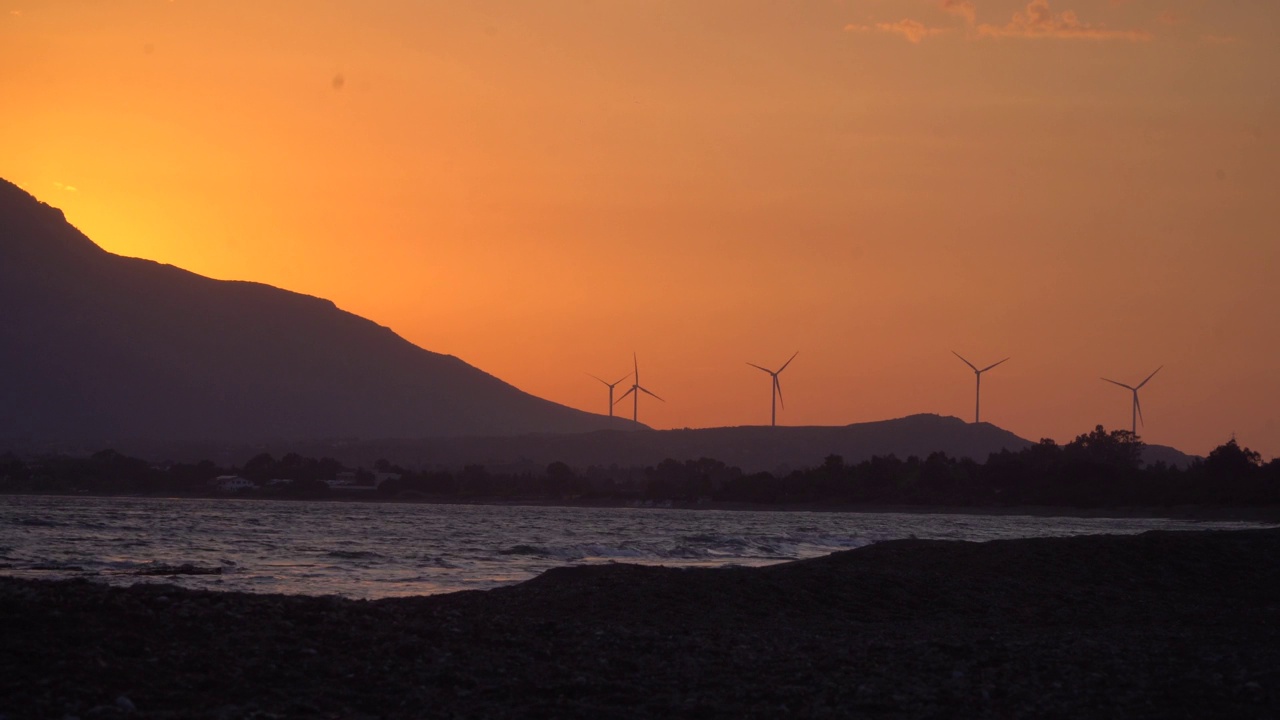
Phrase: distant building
pixel 233 483
pixel 349 480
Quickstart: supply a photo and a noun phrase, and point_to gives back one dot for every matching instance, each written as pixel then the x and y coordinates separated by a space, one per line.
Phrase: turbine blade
pixel 760 368
pixel 625 394
pixel 624 377
pixel 993 365
pixel 1113 382
pixel 646 391
pixel 1144 382
pixel 788 362
pixel 966 362
pixel 602 380
pixel 778 387
pixel 1138 405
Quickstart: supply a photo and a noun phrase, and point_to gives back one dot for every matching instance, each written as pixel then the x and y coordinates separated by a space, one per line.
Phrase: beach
pixel 1159 625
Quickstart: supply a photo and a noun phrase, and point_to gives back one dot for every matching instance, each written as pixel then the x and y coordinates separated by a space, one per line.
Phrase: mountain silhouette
pixel 100 348
pixel 751 448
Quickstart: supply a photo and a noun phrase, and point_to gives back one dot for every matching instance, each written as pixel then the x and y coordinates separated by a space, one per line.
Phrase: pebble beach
pixel 1157 625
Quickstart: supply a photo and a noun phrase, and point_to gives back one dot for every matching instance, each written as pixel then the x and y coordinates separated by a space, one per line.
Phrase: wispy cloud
pixel 963 8
pixel 61 186
pixel 1038 20
pixel 913 30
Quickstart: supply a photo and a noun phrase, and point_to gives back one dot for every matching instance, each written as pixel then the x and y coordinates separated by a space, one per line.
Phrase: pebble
pixel 597 649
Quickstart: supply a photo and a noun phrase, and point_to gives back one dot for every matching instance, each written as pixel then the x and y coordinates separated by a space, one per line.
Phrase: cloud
pixel 1038 20
pixel 913 30
pixel 68 188
pixel 963 8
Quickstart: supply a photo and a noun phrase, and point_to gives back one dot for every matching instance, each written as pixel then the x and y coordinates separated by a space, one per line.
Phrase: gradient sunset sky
pixel 1089 186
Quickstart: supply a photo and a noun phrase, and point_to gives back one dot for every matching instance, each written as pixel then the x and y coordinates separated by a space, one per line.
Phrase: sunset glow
pixel 1091 187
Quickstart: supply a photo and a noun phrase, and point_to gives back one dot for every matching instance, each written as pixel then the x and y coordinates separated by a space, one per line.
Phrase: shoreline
pixel 1161 624
pixel 1263 514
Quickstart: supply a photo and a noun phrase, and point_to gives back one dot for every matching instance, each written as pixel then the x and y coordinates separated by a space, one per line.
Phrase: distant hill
pixel 752 448
pixel 97 349
pixel 1173 457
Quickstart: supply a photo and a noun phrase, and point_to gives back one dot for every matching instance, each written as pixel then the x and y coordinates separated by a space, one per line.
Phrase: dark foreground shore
pixel 1161 625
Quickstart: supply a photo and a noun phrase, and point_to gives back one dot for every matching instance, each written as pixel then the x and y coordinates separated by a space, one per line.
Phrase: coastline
pixel 1262 514
pixel 1154 625
pixel 1266 514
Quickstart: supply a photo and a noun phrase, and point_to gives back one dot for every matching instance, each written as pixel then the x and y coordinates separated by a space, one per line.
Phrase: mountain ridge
pixel 97 347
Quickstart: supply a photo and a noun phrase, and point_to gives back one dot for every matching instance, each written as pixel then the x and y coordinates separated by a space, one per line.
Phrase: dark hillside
pixel 95 347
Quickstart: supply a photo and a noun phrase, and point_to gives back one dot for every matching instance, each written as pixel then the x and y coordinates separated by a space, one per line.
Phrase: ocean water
pixel 374 550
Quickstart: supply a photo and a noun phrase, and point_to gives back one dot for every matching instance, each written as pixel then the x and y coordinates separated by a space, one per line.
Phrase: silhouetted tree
pixel 260 468
pixel 1233 473
pixel 1229 459
pixel 1117 449
pixel 1096 469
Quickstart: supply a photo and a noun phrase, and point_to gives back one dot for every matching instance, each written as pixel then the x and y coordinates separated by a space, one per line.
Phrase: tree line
pixel 1097 469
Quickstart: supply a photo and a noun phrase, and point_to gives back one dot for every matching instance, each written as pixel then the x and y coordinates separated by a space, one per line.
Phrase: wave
pixel 702 538
pixel 723 549
pixel 171 570
pixel 34 522
pixel 525 550
pixel 353 554
pixel 56 567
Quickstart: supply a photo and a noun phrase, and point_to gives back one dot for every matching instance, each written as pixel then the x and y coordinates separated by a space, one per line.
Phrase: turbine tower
pixel 635 390
pixel 776 390
pixel 977 401
pixel 611 386
pixel 1137 406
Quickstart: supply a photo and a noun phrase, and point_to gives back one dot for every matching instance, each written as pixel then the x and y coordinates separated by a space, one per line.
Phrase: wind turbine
pixel 611 386
pixel 1137 406
pixel 635 390
pixel 776 391
pixel 977 402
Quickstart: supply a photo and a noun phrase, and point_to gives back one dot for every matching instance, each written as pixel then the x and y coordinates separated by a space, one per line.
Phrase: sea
pixel 378 550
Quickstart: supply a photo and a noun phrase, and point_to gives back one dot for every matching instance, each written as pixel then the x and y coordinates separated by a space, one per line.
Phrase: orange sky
pixel 1089 186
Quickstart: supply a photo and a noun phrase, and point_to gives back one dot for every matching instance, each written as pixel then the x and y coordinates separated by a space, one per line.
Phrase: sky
pixel 1089 187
